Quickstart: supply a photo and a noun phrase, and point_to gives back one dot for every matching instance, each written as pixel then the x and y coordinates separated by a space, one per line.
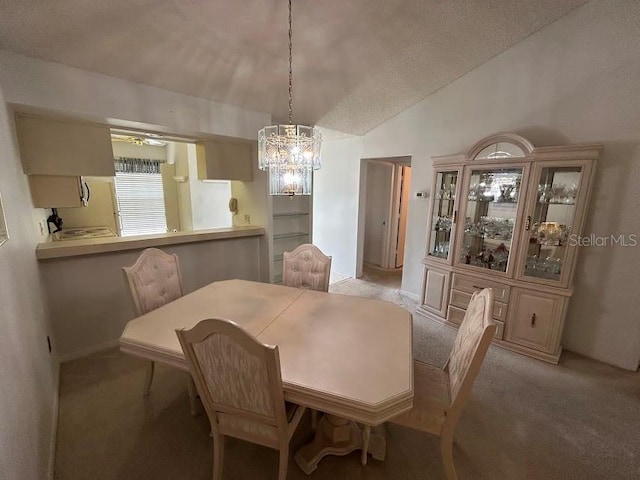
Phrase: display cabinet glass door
pixel 489 222
pixel 442 215
pixel 552 218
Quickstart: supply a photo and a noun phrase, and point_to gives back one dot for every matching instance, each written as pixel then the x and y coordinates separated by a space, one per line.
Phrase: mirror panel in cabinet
pixel 442 214
pixel 490 217
pixel 550 225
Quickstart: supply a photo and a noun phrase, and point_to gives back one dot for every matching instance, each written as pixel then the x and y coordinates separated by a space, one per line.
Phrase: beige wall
pixel 28 372
pixel 575 81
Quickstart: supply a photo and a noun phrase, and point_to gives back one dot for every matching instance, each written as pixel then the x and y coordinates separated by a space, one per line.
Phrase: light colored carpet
pixel 525 420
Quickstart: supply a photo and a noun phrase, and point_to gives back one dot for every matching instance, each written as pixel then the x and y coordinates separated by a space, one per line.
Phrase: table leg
pixel 366 435
pixel 339 436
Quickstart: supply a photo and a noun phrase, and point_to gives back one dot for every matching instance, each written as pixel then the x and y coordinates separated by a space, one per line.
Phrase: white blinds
pixel 140 203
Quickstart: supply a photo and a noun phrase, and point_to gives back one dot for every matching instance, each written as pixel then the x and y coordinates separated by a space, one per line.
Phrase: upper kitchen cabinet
pixel 224 160
pixel 60 147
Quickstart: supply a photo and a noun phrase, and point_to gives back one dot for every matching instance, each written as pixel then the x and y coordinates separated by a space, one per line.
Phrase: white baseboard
pixel 87 351
pixel 411 295
pixel 53 439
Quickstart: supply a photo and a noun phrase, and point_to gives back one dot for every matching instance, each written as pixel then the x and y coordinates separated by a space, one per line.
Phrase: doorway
pixel 384 200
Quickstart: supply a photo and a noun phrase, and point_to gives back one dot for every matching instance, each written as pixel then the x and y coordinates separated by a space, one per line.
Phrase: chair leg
pixel 366 435
pixel 446 451
pixel 284 462
pixel 148 379
pixel 218 456
pixel 193 396
pixel 314 420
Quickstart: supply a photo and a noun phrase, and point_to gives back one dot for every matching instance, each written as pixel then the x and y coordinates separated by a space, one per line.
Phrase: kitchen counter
pixel 93 246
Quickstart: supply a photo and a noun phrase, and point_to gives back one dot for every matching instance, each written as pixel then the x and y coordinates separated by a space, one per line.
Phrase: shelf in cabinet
pixel 515 202
pixel 280 236
pixel 290 214
pixel 557 203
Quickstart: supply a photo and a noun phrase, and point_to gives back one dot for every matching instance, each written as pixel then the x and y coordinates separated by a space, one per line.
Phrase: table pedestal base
pixel 338 436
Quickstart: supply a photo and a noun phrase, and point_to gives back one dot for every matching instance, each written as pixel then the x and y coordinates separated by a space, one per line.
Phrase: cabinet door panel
pixel 52 147
pixel 555 213
pixel 443 215
pixel 535 320
pixel 488 230
pixel 435 291
pixel 51 191
pixel 218 160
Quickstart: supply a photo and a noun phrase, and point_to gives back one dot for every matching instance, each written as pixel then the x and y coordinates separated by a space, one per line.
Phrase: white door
pixel 378 205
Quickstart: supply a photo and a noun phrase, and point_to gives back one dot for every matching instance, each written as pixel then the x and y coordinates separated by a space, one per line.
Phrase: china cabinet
pixel 507 215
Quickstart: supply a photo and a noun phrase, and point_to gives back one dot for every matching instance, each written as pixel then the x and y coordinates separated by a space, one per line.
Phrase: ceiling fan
pixel 137 140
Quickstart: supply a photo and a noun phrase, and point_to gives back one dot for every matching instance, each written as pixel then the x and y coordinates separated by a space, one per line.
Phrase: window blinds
pixel 140 199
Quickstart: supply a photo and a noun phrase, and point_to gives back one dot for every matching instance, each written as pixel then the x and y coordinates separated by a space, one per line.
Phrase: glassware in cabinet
pixel 551 220
pixel 442 214
pixel 489 221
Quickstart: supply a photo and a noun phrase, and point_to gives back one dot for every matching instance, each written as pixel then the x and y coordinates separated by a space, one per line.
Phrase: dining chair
pixel 440 393
pixel 154 280
pixel 240 384
pixel 306 267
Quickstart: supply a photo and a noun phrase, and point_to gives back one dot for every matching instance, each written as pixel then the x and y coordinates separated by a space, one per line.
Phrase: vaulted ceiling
pixel 356 63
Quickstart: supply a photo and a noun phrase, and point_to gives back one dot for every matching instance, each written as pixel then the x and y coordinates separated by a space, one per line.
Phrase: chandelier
pixel 290 153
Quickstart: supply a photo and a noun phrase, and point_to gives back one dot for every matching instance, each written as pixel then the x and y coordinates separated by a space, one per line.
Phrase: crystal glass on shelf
pixel 551 220
pixel 442 214
pixel 491 209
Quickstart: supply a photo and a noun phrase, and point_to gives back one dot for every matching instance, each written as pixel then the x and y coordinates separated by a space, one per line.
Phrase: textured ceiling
pixel 357 63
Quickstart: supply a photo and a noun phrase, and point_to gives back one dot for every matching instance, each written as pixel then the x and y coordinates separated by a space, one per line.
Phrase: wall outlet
pixel 247 219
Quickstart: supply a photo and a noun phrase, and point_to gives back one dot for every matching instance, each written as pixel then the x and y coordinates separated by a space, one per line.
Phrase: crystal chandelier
pixel 290 153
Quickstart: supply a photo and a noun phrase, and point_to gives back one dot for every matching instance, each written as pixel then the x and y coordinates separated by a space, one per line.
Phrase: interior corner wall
pixel 335 202
pixel 575 81
pixel 28 372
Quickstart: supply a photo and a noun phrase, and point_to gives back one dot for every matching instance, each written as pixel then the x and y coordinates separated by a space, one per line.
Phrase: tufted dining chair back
pixel 240 385
pixel 153 280
pixel 306 267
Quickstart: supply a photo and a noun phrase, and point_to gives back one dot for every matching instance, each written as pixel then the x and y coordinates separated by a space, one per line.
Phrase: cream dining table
pixel 347 356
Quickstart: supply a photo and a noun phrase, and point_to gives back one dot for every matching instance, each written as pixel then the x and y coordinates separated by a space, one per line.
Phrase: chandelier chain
pixel 290 70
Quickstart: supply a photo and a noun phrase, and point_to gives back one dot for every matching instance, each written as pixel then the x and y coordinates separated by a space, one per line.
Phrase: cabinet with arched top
pixel 508 215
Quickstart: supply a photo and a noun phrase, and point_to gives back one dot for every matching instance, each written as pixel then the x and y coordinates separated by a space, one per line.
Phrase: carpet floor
pixel 525 419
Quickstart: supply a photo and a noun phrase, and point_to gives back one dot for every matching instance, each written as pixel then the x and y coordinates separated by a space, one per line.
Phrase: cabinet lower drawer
pixel 472 284
pixel 462 299
pixel 456 315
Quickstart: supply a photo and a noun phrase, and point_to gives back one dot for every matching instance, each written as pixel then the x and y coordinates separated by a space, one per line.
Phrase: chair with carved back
pixel 155 280
pixel 440 393
pixel 306 267
pixel 240 384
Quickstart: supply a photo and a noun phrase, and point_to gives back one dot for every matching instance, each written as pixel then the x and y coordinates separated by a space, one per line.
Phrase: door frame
pixel 362 199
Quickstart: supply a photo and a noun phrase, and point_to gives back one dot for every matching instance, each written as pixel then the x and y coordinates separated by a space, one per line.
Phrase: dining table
pixel 346 356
